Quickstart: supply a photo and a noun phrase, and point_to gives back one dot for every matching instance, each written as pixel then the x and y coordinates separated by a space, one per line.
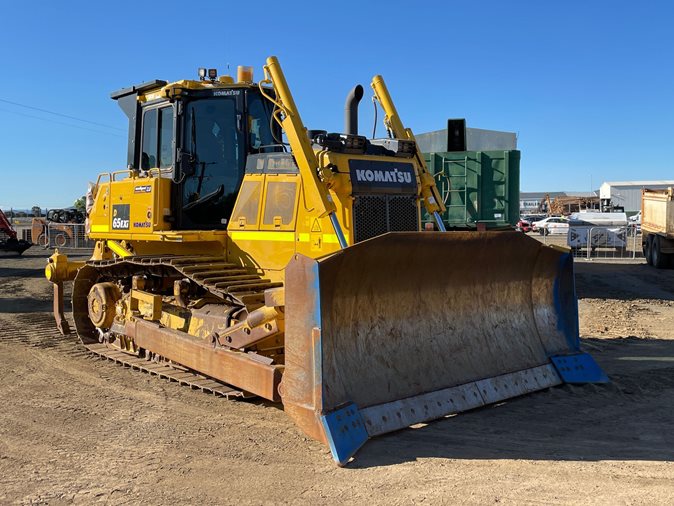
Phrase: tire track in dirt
pixel 74 429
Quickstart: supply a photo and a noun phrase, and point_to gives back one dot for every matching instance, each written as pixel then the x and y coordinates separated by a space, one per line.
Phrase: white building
pixel 627 194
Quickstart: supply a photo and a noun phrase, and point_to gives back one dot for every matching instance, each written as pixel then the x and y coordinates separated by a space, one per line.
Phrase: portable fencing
pixel 593 242
pixel 67 235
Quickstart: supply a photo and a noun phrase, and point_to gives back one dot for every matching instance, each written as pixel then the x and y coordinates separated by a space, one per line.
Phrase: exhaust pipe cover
pixel 351 110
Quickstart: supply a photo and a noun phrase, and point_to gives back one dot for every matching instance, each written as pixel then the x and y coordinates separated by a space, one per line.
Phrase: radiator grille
pixel 374 215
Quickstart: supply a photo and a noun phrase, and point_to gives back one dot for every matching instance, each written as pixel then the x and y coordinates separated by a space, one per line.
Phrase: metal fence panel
pixel 598 243
pixel 68 235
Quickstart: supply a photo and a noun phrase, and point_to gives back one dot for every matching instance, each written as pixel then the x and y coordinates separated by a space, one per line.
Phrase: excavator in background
pixel 298 271
pixel 10 244
pixel 545 205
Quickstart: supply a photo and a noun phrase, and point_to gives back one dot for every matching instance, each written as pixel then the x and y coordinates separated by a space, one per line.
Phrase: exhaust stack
pixel 351 110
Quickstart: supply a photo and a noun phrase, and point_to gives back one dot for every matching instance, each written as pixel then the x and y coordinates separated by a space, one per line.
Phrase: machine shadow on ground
pixel 623 281
pixel 24 305
pixel 629 419
pixel 6 272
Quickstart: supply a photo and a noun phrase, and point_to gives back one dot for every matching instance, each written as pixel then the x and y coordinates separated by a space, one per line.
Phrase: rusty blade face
pixel 405 314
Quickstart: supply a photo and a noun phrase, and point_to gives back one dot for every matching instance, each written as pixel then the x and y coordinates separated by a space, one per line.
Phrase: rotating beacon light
pixel 244 74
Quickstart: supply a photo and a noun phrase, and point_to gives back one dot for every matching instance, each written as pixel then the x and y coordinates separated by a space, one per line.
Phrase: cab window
pixel 165 149
pixel 157 140
pixel 260 125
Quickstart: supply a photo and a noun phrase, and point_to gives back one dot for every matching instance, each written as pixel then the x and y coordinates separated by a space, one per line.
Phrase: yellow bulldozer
pixel 255 257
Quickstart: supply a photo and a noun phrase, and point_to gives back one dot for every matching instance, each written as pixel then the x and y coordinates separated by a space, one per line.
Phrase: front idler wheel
pixel 102 304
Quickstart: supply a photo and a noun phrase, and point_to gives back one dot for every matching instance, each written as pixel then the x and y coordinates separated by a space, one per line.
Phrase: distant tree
pixel 37 211
pixel 81 204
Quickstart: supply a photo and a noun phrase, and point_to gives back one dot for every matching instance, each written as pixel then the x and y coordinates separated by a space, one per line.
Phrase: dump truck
pixel 254 257
pixel 657 227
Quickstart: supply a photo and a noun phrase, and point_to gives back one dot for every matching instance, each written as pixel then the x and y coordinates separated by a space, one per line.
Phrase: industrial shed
pixel 627 194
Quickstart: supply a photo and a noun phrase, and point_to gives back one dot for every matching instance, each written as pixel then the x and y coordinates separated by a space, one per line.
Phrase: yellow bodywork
pixel 131 214
pixel 272 219
pixel 308 211
pixel 302 297
pixel 275 216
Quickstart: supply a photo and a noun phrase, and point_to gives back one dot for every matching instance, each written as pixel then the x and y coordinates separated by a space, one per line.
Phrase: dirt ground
pixel 75 429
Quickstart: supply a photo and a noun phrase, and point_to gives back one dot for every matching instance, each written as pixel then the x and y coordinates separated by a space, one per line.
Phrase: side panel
pixel 271 222
pixel 132 206
pixel 264 222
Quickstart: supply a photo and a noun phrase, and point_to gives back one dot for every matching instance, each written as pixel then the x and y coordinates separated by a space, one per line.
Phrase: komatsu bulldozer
pixel 255 257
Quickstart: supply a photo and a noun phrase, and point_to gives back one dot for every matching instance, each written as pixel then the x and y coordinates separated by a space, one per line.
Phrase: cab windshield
pixel 216 149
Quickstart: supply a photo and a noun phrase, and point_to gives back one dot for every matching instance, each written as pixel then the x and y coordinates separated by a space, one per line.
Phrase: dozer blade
pixel 410 327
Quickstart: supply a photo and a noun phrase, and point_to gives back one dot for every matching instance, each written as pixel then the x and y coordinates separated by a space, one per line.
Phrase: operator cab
pixel 199 133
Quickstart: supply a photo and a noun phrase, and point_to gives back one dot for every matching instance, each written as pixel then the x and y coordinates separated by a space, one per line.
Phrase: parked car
pixel 551 225
pixel 635 218
pixel 533 217
pixel 523 226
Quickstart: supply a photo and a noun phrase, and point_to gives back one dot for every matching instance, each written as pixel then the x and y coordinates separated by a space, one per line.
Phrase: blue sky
pixel 588 86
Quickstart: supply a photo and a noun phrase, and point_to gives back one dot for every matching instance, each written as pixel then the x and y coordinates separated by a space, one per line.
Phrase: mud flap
pixel 409 327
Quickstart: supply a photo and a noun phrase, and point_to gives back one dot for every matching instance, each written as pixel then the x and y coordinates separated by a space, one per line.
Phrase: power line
pixel 61 123
pixel 60 114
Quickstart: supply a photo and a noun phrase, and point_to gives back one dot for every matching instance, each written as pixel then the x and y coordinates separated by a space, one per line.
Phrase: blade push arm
pixel 429 191
pixel 289 118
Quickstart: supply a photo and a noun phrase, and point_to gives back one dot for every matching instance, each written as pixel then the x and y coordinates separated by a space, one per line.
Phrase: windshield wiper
pixel 193 133
pixel 217 193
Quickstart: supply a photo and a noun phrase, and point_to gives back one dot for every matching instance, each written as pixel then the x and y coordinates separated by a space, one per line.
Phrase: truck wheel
pixel 647 245
pixel 659 259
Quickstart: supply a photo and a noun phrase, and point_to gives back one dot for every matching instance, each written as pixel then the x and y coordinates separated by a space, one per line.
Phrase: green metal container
pixel 481 189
